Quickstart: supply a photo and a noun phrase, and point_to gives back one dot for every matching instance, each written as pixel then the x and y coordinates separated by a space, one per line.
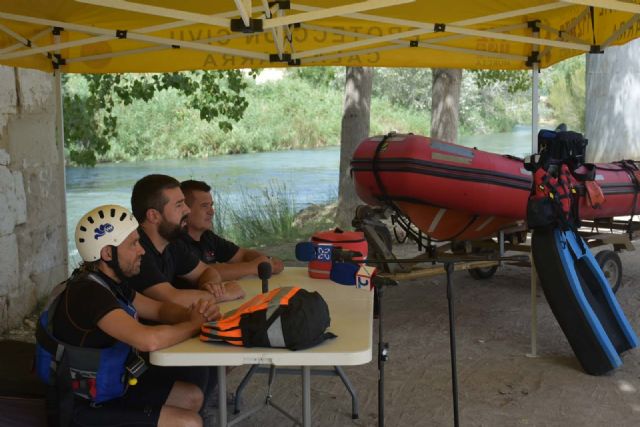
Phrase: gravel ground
pixel 498 384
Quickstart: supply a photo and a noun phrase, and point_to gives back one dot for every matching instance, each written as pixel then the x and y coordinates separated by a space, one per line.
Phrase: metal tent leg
pixel 534 310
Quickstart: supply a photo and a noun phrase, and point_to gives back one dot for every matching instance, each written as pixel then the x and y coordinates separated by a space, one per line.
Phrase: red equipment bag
pixel 347 240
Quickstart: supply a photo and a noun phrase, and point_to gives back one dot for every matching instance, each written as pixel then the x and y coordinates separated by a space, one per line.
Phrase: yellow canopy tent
pixel 104 36
pixel 112 36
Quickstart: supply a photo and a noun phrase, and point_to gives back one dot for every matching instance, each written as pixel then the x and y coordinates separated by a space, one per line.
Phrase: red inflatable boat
pixel 453 192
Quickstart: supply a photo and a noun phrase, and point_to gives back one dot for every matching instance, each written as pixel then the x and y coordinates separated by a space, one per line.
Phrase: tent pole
pixel 57 90
pixel 535 100
pixel 533 273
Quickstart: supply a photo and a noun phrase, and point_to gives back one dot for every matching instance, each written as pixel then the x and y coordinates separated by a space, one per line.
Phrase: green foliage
pixel 490 102
pixel 490 107
pixel 515 81
pixel 91 122
pixel 286 114
pixel 409 88
pixel 186 115
pixel 316 76
pixel 83 137
pixel 385 117
pixel 264 218
pixel 564 89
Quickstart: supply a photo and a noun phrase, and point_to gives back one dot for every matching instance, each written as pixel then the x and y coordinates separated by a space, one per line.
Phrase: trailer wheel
pixel 483 273
pixel 610 263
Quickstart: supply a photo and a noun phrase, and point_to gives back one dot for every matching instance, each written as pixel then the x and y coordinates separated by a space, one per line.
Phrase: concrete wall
pixel 33 244
pixel 613 102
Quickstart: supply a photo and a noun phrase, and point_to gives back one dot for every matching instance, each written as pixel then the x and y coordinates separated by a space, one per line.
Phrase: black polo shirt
pixel 211 248
pixel 176 260
pixel 82 305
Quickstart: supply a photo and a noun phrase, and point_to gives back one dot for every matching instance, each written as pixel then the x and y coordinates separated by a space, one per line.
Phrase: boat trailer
pixel 481 258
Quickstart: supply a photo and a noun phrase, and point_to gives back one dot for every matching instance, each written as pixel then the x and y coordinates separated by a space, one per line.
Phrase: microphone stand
pixel 383 347
pixel 379 283
pixel 264 273
pixel 452 343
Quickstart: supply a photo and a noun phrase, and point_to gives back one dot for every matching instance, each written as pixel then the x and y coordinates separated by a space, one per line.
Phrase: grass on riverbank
pixel 267 218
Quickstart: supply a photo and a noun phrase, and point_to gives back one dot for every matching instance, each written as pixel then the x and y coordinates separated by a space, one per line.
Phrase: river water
pixel 311 175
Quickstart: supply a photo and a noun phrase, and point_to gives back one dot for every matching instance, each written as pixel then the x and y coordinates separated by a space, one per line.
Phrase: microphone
pixel 309 251
pixel 264 273
pixel 344 273
pixel 362 277
pixel 305 251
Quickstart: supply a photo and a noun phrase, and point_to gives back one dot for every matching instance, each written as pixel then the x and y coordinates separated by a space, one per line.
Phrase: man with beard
pixel 158 205
pixel 231 261
pixel 98 311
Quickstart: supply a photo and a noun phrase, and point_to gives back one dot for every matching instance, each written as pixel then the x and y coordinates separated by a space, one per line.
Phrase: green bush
pixel 304 110
pixel 291 113
pixel 565 93
pixel 260 219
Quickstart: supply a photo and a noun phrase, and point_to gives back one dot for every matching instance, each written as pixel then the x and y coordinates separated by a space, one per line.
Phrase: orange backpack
pixel 286 317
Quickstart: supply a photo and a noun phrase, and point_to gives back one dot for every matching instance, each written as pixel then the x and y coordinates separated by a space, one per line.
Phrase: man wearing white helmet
pixel 98 311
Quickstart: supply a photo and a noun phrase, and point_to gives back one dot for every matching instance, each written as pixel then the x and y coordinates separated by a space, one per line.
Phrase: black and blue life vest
pixel 95 374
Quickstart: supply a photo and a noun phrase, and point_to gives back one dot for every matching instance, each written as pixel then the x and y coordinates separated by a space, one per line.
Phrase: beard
pixel 132 269
pixel 124 268
pixel 171 231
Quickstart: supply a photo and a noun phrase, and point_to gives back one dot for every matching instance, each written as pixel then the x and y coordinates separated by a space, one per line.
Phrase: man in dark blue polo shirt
pixel 159 206
pixel 169 271
pixel 230 260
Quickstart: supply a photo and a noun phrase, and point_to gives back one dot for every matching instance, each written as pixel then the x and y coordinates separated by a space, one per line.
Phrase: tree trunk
pixel 355 128
pixel 445 103
pixel 613 102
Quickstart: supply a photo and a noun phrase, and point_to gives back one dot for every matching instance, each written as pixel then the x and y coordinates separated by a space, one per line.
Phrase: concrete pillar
pixel 33 245
pixel 613 102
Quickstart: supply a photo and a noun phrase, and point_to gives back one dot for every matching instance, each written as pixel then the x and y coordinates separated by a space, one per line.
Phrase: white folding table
pixel 351 313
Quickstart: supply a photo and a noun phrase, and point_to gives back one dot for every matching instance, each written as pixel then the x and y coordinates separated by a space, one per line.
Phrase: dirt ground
pixel 499 385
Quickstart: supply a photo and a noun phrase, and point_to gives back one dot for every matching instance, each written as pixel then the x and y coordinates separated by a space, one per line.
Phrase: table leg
pixel 306 396
pixel 222 396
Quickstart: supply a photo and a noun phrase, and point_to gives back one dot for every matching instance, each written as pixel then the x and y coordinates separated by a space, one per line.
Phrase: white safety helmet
pixel 103 226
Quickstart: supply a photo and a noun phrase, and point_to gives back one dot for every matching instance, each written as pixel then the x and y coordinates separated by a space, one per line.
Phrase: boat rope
pixel 384 196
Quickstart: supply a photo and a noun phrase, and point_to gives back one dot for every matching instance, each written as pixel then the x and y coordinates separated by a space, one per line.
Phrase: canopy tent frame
pixel 246 20
pixel 282 26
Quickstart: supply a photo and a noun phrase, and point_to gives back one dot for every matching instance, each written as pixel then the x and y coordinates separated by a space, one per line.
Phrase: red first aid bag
pixel 346 240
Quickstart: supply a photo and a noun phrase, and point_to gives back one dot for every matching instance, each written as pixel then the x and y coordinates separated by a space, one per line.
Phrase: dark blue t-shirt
pixel 176 260
pixel 83 304
pixel 211 248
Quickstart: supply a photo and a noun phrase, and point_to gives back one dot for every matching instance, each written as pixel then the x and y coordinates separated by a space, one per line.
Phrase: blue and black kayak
pixel 581 300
